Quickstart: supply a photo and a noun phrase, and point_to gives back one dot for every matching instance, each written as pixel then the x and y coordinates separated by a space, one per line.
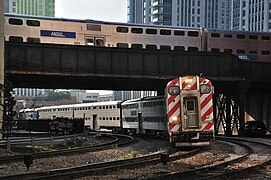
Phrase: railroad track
pixel 116 140
pixel 223 169
pixel 100 168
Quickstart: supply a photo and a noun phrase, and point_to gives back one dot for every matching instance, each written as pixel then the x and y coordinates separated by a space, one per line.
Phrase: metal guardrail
pixel 52 140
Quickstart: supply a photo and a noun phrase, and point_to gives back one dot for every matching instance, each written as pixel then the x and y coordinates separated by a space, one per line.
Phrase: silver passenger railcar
pixel 96 115
pixel 243 44
pixel 98 33
pixel 144 116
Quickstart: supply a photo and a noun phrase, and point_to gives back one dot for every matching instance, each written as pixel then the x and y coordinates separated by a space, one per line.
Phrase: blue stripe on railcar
pixel 59 34
pixel 246 56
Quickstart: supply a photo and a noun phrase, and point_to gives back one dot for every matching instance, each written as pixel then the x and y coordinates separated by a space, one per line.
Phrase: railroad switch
pixel 28 160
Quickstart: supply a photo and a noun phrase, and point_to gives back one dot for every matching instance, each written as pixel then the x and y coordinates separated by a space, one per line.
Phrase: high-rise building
pixel 9 6
pixel 126 95
pixel 30 7
pixel 249 15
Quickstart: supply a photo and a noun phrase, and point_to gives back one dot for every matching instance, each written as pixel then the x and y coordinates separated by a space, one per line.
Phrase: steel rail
pixel 88 148
pixel 100 168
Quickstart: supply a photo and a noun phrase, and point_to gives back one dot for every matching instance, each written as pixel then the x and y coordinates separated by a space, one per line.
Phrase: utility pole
pixel 2 57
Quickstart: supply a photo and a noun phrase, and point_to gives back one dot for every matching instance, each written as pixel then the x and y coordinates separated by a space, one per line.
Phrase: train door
pixel 94 41
pixel 94 122
pixel 140 123
pixel 191 112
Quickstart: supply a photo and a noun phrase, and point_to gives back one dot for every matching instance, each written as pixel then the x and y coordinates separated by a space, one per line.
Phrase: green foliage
pixel 132 154
pixel 56 96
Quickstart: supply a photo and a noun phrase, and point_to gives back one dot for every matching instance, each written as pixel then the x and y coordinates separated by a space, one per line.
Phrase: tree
pixel 7 104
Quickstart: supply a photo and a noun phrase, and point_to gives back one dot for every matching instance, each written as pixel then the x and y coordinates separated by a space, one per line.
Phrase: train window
pixel 164 47
pixel 151 46
pixel 15 21
pixel 33 40
pixel 253 37
pixel 133 113
pixel 190 105
pixel 15 39
pixel 240 36
pixel 136 46
pixel 228 50
pixel 193 33
pixel 265 38
pixel 174 90
pixel 265 52
pixel 179 48
pixel 99 42
pixel 215 35
pixel 227 36
pixel 90 41
pixel 193 49
pixel 179 33
pixel 240 51
pixel 33 23
pixel 122 45
pixel 253 52
pixel 165 32
pixel 151 31
pixel 122 29
pixel 137 30
pixel 217 50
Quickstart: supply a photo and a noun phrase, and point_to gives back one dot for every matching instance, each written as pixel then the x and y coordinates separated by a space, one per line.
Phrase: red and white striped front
pixel 174 103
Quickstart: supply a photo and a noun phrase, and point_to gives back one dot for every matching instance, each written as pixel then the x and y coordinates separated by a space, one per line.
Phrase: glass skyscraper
pixel 30 7
pixel 249 15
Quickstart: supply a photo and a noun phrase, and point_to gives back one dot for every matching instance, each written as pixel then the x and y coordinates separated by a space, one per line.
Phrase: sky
pixel 105 10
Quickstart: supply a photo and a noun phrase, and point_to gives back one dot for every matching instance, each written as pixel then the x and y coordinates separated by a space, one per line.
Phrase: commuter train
pixel 184 115
pixel 243 44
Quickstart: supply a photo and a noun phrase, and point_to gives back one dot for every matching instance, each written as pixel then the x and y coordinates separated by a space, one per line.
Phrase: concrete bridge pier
pixel 1 62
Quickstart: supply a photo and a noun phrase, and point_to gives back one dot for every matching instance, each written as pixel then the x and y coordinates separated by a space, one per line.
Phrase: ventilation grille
pixel 92 27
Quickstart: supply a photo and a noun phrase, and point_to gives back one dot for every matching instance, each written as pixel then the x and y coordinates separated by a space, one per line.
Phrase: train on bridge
pixel 184 115
pixel 244 45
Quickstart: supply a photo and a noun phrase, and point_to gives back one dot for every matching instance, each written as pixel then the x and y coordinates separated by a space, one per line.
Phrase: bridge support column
pixel 243 88
pixel 1 63
pixel 228 131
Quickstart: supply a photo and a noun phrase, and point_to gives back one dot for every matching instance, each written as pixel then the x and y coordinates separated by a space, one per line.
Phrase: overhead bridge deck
pixel 82 67
pixel 85 67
